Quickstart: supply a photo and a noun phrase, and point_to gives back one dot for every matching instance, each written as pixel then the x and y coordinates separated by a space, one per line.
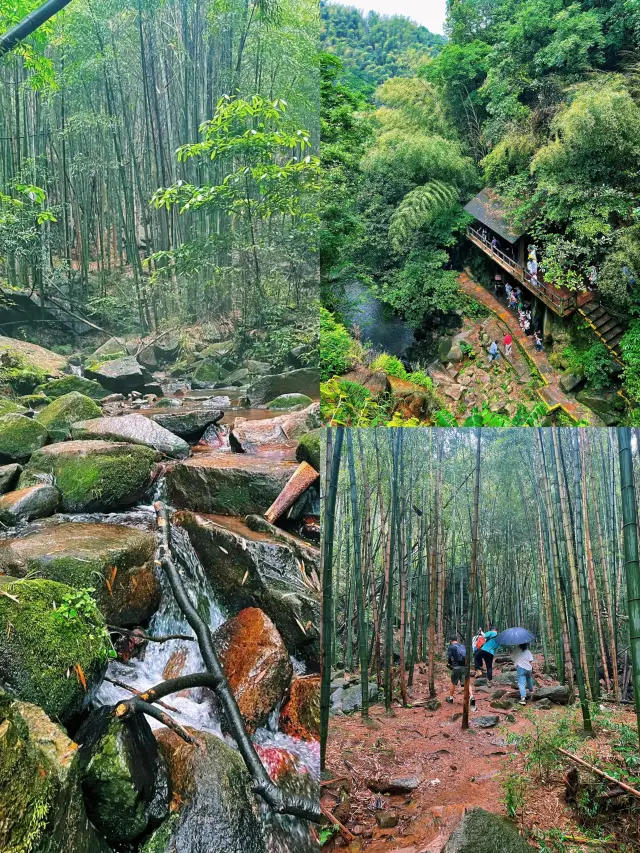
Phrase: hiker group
pixel 484 647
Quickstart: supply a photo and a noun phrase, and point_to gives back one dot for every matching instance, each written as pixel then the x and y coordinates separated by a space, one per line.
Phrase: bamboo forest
pixel 481 640
pixel 159 426
pixel 481 207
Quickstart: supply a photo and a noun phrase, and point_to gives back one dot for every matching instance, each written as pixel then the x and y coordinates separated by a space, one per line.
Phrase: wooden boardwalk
pixel 551 393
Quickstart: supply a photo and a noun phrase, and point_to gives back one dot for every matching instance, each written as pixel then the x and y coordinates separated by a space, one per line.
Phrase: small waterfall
pixel 175 657
pixel 76 369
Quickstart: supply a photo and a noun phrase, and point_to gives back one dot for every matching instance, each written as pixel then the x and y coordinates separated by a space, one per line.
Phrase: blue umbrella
pixel 514 636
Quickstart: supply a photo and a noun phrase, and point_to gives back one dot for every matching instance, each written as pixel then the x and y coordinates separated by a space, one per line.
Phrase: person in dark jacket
pixel 457 663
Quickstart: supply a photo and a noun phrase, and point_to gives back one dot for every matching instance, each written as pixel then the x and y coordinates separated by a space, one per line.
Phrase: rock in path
pixel 485 722
pixel 403 785
pixel 559 694
pixel 480 831
pixel 134 428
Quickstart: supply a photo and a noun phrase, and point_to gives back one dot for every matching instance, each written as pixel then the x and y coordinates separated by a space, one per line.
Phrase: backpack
pixel 480 642
pixel 458 654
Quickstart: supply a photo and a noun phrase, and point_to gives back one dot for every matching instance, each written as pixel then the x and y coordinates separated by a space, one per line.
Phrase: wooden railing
pixel 560 301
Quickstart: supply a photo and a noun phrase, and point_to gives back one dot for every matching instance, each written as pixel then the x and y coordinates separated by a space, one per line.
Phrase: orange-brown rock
pixel 300 716
pixel 256 663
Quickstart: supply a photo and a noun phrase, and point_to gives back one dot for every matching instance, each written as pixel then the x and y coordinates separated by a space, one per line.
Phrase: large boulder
pixel 41 805
pixel 58 416
pixel 124 778
pixel 134 428
pixel 290 401
pixel 231 483
pixel 93 476
pixel 256 663
pixel 189 424
pixel 20 437
pixel 52 652
pixel 250 569
pixel 608 405
pixel 167 347
pixel 33 356
pixel 67 384
pixel 303 381
pixel 206 375
pixel 300 715
pixel 216 809
pixel 29 503
pixel 11 407
pixel 117 562
pixel 120 374
pixel 349 699
pixel 480 831
pixel 110 348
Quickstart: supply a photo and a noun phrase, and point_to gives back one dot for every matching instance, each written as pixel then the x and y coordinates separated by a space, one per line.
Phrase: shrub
pixel 338 350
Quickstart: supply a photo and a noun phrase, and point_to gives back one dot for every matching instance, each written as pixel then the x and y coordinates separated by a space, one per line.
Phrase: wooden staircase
pixel 609 329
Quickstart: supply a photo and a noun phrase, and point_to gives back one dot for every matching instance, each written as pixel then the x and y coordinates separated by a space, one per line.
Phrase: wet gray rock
pixel 167 347
pixel 216 812
pixel 480 831
pixel 8 476
pixel 137 429
pixel 28 503
pixel 189 425
pixel 236 377
pixel 260 368
pixel 346 700
pixel 124 777
pixel 121 374
pixel 485 722
pixel 306 380
pixel 543 705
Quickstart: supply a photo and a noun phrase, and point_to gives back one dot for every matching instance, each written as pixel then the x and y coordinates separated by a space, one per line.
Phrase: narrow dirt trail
pixel 455 769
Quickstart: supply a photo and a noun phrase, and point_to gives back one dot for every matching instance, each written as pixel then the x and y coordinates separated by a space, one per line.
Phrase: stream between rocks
pixel 255 584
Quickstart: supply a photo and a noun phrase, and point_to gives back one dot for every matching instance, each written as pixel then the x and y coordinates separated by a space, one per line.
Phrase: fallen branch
pixel 135 692
pixel 139 706
pixel 344 832
pixel 137 632
pixel 281 802
pixel 598 772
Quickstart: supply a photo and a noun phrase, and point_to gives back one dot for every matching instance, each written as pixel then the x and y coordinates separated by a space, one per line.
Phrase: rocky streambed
pixel 85 611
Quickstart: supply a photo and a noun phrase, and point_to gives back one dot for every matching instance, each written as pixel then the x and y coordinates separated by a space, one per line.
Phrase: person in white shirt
pixel 523 659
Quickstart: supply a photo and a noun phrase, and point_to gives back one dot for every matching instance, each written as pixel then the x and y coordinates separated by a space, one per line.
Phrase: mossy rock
pixel 41 805
pixel 58 416
pixel 207 373
pixel 34 356
pixel 20 437
pixel 45 655
pixel 480 831
pixel 124 779
pixel 93 476
pixel 116 561
pixel 290 401
pixel 34 401
pixel 308 449
pixel 66 384
pixel 11 407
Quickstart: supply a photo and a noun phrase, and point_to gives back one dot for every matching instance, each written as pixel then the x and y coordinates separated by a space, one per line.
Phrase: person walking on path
pixel 523 660
pixel 508 344
pixel 493 352
pixel 538 341
pixel 513 300
pixel 488 650
pixel 477 643
pixel 457 663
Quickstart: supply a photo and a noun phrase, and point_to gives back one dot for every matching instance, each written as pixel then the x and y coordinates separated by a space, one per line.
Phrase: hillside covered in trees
pixel 540 103
pixel 373 47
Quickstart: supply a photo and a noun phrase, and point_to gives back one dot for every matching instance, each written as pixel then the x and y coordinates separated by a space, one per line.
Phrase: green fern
pixel 417 209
